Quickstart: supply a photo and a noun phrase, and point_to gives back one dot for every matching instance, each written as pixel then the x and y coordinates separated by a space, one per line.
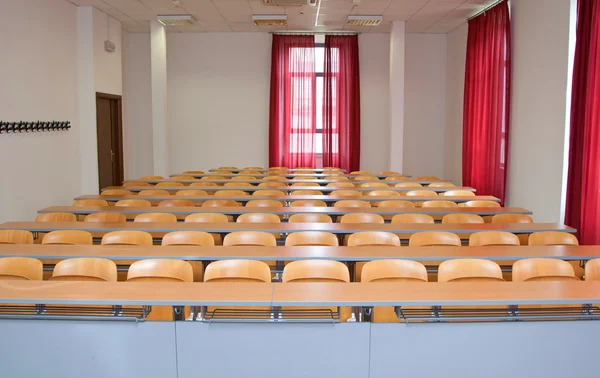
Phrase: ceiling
pixel 421 16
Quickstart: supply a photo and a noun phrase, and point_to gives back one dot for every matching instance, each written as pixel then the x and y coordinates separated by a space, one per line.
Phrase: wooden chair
pixel 341 184
pixel 375 185
pixel 412 218
pixel 264 203
pixel 116 192
pixel 457 193
pixel 346 194
pixel 439 204
pixel 133 184
pixel 188 238
pixel 372 239
pixel 160 270
pixel 361 173
pixel 70 237
pixel 169 184
pixel 310 218
pixel 308 203
pixel 155 217
pixel 408 185
pixel 427 178
pixel 511 218
pixel 182 177
pixel 230 193
pixel 177 203
pixel 211 177
pixel 202 184
pixel 56 217
pixel 243 178
pixel 307 193
pixel 421 193
pixel 383 193
pixel 220 203
pixel 312 238
pixel 258 218
pixel 361 218
pixel 396 204
pixel 85 269
pixel 127 238
pixel 193 172
pixel 434 238
pixel 352 203
pixel 90 203
pixel 458 218
pixel 250 238
pixel 21 268
pixel 207 218
pixel 481 204
pixel 469 270
pixel 269 193
pixel 366 178
pixel 228 168
pixel 273 184
pixel 133 203
pixel 152 178
pixel 490 238
pixel 153 192
pixel 237 184
pixel 16 237
pixel 396 178
pixel 106 218
pixel 388 173
pixel 543 269
pixel 441 185
pixel 237 271
pixel 592 270
pixel 552 238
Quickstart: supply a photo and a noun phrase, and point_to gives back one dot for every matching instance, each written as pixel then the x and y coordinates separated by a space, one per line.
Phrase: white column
pixel 397 44
pixel 158 69
pixel 86 102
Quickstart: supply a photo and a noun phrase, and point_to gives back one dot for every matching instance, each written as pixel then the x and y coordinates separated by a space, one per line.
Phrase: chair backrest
pixel 366 178
pixel 388 173
pixel 85 269
pixel 441 185
pixel 211 177
pixel 462 218
pixel 188 238
pixel 156 217
pixel 383 193
pixel 127 238
pixel 153 192
pixel 466 270
pixel 237 271
pixel 106 218
pixel 373 238
pixel 361 218
pixel 434 238
pixel 396 178
pixel 310 218
pixel 308 203
pixel 315 271
pixel 408 185
pixel 220 203
pixel 352 203
pixel 202 184
pixel 489 238
pixel 160 270
pixel 412 218
pixel 258 218
pixel 439 204
pixel 552 238
pixel 169 184
pixel 243 178
pixel 182 177
pixel 21 268
pixel 543 269
pixel 191 192
pixel 193 172
pixel 56 217
pixel 341 184
pixel 73 237
pixel 152 178
pixel 274 184
pixel 511 218
pixel 207 218
pixel 264 203
pixel 177 203
pixel 346 194
pixel 312 238
pixel 16 237
pixel 307 193
pixel 133 203
pixel 90 202
pixel 427 178
pixel 393 271
pixel 421 193
pixel 592 270
pixel 227 167
pixel 481 204
pixel 396 203
pixel 249 238
pixel 116 192
pixel 375 185
pixel 269 193
pixel 230 193
pixel 457 193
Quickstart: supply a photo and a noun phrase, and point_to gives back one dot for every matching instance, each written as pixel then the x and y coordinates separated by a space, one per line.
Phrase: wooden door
pixel 110 145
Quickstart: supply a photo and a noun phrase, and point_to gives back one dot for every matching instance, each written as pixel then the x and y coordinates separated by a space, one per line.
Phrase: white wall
pixel 107 66
pixel 38 44
pixel 374 61
pixel 424 104
pixel 137 107
pixel 218 99
pixel 456 53
pixel 539 106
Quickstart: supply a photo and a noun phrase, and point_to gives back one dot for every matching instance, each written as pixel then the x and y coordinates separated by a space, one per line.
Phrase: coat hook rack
pixel 33 126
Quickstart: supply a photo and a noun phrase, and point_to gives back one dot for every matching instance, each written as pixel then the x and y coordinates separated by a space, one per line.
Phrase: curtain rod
pixel 485 9
pixel 305 32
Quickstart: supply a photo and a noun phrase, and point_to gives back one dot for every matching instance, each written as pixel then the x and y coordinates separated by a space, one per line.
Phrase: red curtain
pixel 583 185
pixel 341 103
pixel 487 102
pixel 292 123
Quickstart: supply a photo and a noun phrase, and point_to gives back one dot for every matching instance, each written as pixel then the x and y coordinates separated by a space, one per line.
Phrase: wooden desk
pixel 288 190
pixel 286 211
pixel 290 198
pixel 299 294
pixel 285 228
pixel 290 182
pixel 318 170
pixel 345 254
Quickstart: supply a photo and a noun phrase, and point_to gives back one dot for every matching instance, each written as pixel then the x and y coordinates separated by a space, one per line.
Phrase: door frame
pixel 119 136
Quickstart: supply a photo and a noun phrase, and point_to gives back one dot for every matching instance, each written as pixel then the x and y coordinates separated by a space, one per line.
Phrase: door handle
pixel 112 156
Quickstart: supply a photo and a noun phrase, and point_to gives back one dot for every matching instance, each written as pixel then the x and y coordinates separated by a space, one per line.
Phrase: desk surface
pixel 299 294
pixel 336 228
pixel 289 182
pixel 288 189
pixel 353 254
pixel 288 198
pixel 267 170
pixel 289 174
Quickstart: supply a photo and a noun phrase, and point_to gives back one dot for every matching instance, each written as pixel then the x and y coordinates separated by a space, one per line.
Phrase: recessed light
pixel 364 20
pixel 176 19
pixel 270 19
